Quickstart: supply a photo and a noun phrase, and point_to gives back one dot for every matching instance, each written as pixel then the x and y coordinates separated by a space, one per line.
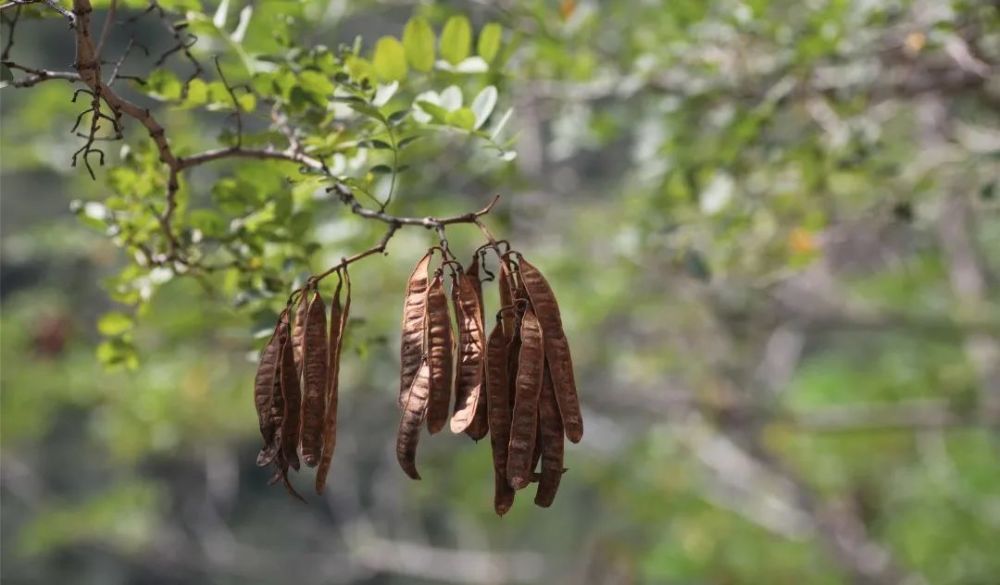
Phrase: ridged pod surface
pixel 543 301
pixel 299 330
pixel 440 348
pixel 551 432
pixel 500 417
pixel 292 397
pixel 276 404
pixel 338 323
pixel 480 425
pixel 411 348
pixel 413 417
pixel 471 342
pixel 528 384
pixel 263 384
pixel 505 285
pixel 314 380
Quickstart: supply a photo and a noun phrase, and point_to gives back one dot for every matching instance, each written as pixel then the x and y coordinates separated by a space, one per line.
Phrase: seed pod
pixel 338 323
pixel 299 330
pixel 263 385
pixel 292 397
pixel 543 300
pixel 314 380
pixel 412 419
pixel 411 348
pixel 506 287
pixel 471 341
pixel 480 424
pixel 276 406
pixel 524 426
pixel 281 474
pixel 439 341
pixel 500 417
pixel 551 433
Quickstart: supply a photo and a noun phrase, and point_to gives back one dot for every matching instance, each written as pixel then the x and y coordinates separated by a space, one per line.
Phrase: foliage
pixel 770 224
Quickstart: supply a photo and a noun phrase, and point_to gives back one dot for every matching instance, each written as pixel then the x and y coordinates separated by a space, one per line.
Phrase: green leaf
pixel 247 101
pixel 381 170
pixel 114 323
pixel 462 118
pixel 164 85
pixel 418 40
pixel 316 84
pixel 436 112
pixel 197 93
pixel 456 39
pixel 483 104
pixel 489 41
pixel 389 60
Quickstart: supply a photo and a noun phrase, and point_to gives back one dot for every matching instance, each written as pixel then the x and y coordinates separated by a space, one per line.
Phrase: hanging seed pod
pixel 412 419
pixel 551 433
pixel 471 341
pixel 543 300
pixel 506 286
pixel 263 385
pixel 500 417
pixel 314 380
pixel 276 405
pixel 411 349
pixel 281 474
pixel 440 344
pixel 299 329
pixel 480 425
pixel 338 323
pixel 531 362
pixel 292 396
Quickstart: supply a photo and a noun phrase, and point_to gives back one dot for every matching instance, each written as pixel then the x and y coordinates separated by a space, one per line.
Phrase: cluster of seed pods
pixel 514 384
pixel 296 386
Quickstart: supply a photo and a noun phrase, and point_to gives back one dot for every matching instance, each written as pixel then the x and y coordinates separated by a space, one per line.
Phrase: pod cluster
pixel 296 386
pixel 514 384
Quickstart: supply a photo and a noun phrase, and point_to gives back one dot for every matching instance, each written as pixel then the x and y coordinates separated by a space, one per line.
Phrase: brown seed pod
pixel 338 323
pixel 506 286
pixel 543 300
pixel 411 348
pixel 299 329
pixel 412 419
pixel 314 380
pixel 480 425
pixel 500 417
pixel 292 397
pixel 281 474
pixel 551 433
pixel 276 405
pixel 439 342
pixel 263 385
pixel 524 426
pixel 471 341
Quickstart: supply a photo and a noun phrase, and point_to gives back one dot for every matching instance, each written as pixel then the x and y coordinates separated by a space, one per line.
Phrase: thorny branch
pixel 88 72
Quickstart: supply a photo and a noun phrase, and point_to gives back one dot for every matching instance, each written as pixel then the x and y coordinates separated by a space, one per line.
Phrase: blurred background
pixel 774 230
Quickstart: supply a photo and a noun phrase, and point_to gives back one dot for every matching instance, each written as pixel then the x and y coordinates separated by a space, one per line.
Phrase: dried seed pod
pixel 263 385
pixel 471 341
pixel 543 300
pixel 524 426
pixel 299 329
pixel 411 348
pixel 551 433
pixel 439 344
pixel 281 474
pixel 412 419
pixel 500 417
pixel 506 286
pixel 276 405
pixel 338 323
pixel 314 380
pixel 292 396
pixel 480 425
